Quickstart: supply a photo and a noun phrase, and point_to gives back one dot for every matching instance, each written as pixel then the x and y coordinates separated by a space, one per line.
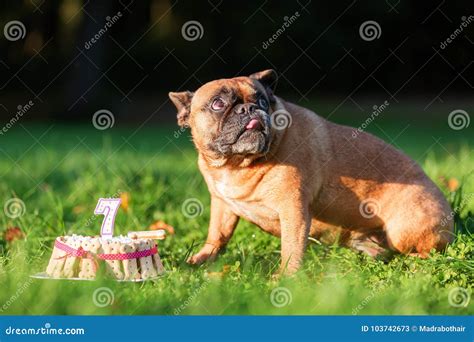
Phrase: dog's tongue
pixel 253 124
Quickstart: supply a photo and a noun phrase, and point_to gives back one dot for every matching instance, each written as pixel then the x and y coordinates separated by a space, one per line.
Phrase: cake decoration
pixel 125 258
pixel 107 207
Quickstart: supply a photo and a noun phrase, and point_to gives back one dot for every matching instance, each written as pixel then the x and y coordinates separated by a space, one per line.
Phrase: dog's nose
pixel 248 108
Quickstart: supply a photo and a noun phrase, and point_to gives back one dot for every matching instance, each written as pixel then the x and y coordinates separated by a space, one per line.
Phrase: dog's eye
pixel 262 103
pixel 218 104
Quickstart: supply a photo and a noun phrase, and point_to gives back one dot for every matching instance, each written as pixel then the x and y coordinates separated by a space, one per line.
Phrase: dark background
pixel 320 56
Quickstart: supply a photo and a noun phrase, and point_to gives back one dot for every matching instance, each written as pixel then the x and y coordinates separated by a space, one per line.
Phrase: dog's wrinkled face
pixel 230 117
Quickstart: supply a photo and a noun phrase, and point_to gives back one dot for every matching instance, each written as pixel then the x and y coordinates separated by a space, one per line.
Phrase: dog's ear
pixel 269 79
pixel 182 101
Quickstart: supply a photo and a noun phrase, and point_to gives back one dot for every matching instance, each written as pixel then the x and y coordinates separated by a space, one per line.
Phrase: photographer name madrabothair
pixel 441 328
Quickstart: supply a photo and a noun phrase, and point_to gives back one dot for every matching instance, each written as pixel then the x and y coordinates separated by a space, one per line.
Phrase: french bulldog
pixel 297 175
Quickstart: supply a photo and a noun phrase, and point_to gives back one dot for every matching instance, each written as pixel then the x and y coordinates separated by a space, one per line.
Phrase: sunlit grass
pixel 61 177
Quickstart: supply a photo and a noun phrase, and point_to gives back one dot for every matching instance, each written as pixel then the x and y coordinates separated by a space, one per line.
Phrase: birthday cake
pixel 123 257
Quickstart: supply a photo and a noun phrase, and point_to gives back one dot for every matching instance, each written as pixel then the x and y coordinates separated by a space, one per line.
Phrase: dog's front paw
pixel 201 257
pixel 281 274
pixel 208 252
pixel 197 259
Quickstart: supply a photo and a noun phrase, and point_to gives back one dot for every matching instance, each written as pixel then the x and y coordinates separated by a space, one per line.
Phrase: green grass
pixel 61 176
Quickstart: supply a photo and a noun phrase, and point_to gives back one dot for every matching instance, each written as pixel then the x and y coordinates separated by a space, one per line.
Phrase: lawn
pixel 59 172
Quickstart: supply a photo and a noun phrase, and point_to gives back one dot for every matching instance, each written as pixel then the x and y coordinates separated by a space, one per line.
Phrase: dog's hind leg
pixel 417 235
pixel 417 240
pixel 373 245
